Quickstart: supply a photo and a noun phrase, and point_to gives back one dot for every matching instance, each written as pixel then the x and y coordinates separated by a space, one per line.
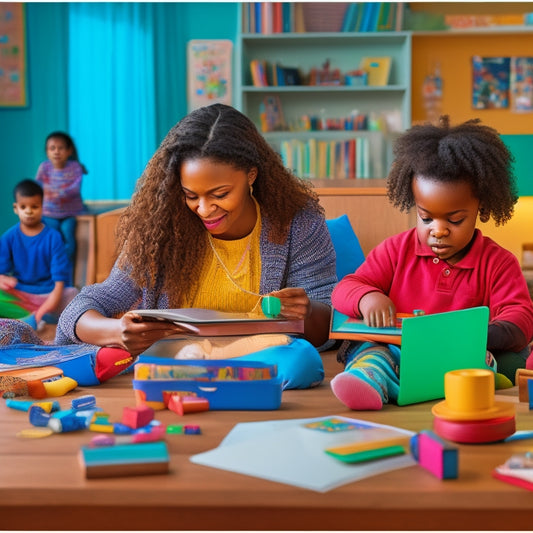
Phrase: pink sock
pixel 355 392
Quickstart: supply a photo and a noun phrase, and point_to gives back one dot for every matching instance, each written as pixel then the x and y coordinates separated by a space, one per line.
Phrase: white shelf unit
pixel 344 51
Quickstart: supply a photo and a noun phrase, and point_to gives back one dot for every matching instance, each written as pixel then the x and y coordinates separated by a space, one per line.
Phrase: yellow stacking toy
pixel 469 414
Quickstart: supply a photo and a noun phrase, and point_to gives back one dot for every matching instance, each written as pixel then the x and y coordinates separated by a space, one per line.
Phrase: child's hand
pixel 295 304
pixel 378 310
pixel 7 282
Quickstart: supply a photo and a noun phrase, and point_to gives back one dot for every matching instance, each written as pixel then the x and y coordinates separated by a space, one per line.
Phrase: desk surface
pixel 42 486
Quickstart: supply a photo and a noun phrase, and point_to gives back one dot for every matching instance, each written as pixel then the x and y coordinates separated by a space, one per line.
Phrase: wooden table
pixel 42 486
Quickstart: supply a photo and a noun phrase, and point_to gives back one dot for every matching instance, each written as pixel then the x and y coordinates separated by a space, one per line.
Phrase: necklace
pixel 270 305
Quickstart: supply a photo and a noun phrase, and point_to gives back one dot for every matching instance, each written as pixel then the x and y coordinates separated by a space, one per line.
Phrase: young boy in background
pixel 34 267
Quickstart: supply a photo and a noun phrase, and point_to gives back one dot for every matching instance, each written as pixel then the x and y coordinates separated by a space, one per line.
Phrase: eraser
pixel 84 402
pixel 136 417
pixel 435 455
pixel 145 458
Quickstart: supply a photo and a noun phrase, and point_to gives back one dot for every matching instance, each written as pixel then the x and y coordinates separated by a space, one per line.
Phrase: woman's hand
pixel 378 310
pixel 138 334
pixel 295 304
pixel 132 332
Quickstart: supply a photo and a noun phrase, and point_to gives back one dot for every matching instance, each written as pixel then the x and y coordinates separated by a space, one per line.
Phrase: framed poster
pixel 13 71
pixel 209 73
pixel 522 84
pixel 490 83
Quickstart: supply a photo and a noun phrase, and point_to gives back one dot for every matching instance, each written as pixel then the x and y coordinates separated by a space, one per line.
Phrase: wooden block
pixel 435 455
pixel 137 417
pixel 125 460
pixel 187 404
pixel 521 378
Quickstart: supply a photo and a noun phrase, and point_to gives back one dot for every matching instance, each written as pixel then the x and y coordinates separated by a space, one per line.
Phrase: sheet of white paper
pixel 287 452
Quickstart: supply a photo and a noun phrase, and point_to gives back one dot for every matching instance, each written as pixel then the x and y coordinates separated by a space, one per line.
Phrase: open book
pixel 345 327
pixel 210 323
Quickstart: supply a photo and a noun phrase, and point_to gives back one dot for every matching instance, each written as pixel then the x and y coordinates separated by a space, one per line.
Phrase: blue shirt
pixel 37 262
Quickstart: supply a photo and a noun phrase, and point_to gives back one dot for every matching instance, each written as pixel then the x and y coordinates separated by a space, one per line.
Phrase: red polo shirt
pixel 414 278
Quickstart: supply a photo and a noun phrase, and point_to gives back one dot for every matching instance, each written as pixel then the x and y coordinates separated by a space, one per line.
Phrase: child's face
pixel 220 195
pixel 29 209
pixel 58 152
pixel 446 216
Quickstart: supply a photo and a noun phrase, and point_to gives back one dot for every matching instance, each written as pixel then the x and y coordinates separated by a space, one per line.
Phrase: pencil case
pixel 227 384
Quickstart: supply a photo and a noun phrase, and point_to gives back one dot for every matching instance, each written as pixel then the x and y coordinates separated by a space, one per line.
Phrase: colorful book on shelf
pixel 350 16
pixel 370 16
pixel 206 322
pixel 377 69
pixel 287 9
pixel 258 70
pixel 384 22
pixel 273 114
pixel 359 18
pixel 313 168
pixel 266 18
pixel 399 12
pixel 374 15
pixel 352 158
pixel 277 17
pixel 257 17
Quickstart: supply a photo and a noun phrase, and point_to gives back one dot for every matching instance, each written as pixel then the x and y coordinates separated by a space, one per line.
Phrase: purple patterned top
pixel 62 189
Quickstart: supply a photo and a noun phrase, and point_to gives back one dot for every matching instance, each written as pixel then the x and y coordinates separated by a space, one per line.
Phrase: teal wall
pixel 521 147
pixel 23 130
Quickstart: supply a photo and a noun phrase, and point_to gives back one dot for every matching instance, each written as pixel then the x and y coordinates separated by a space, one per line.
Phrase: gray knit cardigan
pixel 306 259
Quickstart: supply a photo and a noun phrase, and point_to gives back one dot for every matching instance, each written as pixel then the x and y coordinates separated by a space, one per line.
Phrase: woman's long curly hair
pixel 159 239
pixel 469 152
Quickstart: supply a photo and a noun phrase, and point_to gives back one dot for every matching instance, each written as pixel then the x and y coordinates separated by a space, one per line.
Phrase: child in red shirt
pixel 451 175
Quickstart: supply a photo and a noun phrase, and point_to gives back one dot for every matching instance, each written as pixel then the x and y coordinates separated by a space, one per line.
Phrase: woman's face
pixel 446 216
pixel 220 195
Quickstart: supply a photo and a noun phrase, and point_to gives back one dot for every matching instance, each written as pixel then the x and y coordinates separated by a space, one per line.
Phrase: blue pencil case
pixel 228 384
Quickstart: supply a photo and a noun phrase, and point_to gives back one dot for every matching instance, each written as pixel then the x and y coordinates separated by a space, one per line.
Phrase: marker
pixel 67 423
pixel 26 405
pixel 364 446
pixel 368 455
pixel 156 433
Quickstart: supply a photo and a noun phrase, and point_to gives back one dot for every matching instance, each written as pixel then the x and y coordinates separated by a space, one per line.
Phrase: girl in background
pixel 60 177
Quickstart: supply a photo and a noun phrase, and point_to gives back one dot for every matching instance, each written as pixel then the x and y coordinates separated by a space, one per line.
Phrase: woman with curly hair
pixel 451 176
pixel 216 222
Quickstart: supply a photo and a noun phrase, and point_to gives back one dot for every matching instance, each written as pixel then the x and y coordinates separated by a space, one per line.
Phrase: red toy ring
pixel 479 431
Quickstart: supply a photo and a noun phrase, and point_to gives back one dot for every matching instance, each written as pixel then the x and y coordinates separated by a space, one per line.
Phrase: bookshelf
pixel 343 51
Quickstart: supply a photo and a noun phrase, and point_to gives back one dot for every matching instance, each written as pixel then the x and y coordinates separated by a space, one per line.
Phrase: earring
pixel 251 189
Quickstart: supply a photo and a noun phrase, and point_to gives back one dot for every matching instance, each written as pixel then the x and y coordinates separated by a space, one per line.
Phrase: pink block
pixel 436 455
pixel 137 417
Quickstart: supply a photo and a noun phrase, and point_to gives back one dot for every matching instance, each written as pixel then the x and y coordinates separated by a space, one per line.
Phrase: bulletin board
pixel 209 72
pixel 13 67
